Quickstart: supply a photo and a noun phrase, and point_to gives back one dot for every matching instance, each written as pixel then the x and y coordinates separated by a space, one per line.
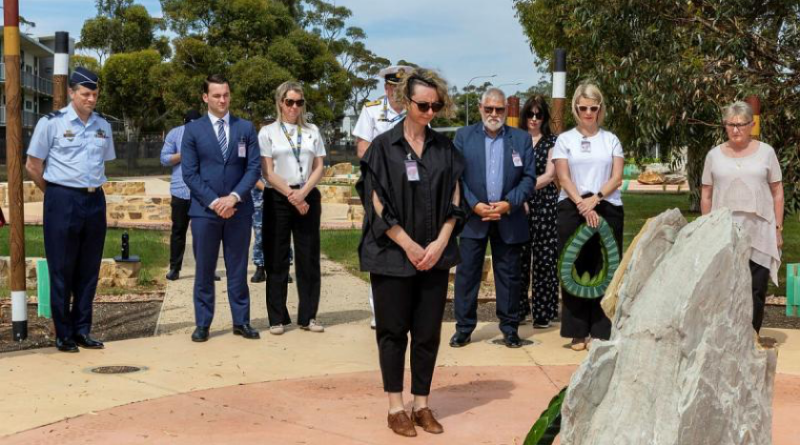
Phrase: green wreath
pixel 587 286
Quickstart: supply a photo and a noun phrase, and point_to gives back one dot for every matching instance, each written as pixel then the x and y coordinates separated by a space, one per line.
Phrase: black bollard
pixel 126 257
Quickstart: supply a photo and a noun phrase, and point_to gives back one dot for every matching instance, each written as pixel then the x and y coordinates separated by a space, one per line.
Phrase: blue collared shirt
pixel 172 146
pixel 494 165
pixel 75 153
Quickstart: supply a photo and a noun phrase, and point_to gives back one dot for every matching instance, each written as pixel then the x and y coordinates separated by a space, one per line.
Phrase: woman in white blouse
pixel 744 175
pixel 291 155
pixel 589 164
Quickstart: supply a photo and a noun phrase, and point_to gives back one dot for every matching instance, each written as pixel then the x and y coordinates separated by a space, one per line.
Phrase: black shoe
pixel 260 276
pixel 66 345
pixel 86 341
pixel 246 331
pixel 460 339
pixel 290 279
pixel 512 340
pixel 200 334
pixel 173 274
pixel 217 277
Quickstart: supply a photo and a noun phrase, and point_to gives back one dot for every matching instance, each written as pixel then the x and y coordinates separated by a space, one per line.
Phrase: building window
pixel 28 105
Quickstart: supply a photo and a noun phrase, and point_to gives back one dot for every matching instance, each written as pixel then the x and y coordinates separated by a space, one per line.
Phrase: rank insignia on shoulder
pixel 100 134
pixel 374 103
pixel 53 114
pixel 69 135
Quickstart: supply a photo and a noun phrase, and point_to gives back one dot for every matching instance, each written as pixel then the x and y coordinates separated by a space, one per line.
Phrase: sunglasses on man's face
pixel 584 108
pixel 492 110
pixel 537 116
pixel 426 106
pixel 291 102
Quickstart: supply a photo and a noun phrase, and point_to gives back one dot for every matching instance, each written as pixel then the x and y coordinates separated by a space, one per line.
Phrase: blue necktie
pixel 223 141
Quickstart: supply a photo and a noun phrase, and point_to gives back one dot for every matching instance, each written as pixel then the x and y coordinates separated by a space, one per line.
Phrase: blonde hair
pixel 737 109
pixel 592 92
pixel 280 95
pixel 429 78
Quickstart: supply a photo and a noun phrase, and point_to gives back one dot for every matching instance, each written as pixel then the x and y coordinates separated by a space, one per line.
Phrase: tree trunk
pixel 132 132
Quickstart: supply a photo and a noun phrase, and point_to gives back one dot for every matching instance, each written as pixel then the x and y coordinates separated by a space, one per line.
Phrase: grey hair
pixel 496 93
pixel 737 109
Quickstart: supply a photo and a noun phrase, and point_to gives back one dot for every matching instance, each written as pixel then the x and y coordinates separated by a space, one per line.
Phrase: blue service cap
pixel 84 77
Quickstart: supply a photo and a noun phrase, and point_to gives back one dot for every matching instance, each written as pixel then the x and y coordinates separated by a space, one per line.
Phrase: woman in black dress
pixel 540 255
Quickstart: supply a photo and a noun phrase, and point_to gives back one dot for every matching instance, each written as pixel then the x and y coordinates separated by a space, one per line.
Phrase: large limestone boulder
pixel 682 365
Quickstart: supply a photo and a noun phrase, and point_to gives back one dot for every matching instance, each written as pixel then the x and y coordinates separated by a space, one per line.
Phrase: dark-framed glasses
pixel 300 103
pixel 736 125
pixel 492 110
pixel 425 106
pixel 592 108
pixel 537 116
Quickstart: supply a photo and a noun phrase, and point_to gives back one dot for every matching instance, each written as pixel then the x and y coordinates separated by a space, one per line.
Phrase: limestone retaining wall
pixel 138 208
pixel 112 273
pixel 31 193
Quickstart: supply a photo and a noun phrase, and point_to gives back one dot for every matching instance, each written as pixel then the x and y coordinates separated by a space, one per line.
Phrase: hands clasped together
pixel 586 207
pixel 225 207
pixel 492 211
pixel 424 259
pixel 297 198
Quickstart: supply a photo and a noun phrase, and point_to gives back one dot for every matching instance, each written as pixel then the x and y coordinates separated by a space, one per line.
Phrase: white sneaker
pixel 313 326
pixel 276 330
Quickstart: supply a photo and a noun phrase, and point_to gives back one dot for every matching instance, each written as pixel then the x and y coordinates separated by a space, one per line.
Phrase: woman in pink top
pixel 744 176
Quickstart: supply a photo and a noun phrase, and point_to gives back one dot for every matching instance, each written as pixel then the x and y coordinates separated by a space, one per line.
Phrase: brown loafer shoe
pixel 425 419
pixel 401 424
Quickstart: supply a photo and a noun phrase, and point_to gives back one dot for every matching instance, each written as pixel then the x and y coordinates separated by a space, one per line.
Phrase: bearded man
pixel 499 177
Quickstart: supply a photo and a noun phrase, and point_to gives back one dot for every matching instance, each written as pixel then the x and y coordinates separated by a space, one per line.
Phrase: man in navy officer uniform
pixel 379 116
pixel 66 160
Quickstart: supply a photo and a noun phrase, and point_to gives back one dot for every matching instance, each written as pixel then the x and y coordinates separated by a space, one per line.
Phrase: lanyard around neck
pixel 295 147
pixel 386 112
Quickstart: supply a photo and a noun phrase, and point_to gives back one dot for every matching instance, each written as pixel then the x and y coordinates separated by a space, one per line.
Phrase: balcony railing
pixel 30 81
pixel 29 118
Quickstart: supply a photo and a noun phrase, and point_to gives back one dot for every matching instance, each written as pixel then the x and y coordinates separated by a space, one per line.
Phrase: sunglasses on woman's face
pixel 537 116
pixel 584 108
pixel 426 106
pixel 291 102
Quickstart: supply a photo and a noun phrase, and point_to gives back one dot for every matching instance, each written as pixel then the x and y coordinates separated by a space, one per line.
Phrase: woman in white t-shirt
pixel 589 163
pixel 291 156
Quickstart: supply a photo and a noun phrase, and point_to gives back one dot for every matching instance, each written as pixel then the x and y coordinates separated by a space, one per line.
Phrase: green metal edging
pixel 43 289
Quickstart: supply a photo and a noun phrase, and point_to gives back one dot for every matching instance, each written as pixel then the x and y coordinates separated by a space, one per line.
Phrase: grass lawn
pixel 342 245
pixel 152 246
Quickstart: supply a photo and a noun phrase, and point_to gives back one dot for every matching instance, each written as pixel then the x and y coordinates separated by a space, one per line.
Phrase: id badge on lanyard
pixel 516 158
pixel 242 148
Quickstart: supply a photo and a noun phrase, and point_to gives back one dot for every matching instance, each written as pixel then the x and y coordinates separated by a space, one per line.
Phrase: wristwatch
pixel 779 227
pixel 600 195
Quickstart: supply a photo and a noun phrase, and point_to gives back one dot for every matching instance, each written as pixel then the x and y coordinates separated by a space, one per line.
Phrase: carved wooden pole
pixel 512 108
pixel 61 70
pixel 559 90
pixel 19 299
pixel 755 104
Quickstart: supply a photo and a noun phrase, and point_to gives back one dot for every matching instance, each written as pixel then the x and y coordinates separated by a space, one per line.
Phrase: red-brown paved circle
pixel 476 405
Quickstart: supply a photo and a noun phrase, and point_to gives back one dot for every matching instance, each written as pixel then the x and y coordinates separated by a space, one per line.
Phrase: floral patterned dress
pixel 540 254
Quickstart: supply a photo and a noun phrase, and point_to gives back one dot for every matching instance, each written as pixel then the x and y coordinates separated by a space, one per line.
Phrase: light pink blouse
pixel 743 186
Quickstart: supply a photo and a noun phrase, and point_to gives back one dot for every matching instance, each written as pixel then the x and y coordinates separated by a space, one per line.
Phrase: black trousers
pixel 74 235
pixel 582 317
pixel 760 276
pixel 283 224
pixel 402 305
pixel 177 238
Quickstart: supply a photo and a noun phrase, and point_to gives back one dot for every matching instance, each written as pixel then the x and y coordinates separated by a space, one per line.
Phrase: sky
pixel 461 39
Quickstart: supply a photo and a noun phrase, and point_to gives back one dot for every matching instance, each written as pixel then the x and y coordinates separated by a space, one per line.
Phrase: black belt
pixel 295 187
pixel 78 189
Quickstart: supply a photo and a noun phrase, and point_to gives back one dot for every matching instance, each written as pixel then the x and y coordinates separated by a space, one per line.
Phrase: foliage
pixel 122 26
pixel 670 91
pixel 258 45
pixel 88 62
pixel 547 427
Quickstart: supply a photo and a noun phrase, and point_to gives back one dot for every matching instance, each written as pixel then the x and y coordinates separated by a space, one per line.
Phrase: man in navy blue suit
pixel 220 158
pixel 500 175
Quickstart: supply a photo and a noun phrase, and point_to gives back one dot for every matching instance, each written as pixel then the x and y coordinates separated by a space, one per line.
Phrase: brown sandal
pixel 425 419
pixel 401 424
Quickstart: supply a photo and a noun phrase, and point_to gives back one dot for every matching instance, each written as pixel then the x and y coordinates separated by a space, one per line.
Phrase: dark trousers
pixel 284 224
pixel 234 235
pixel 402 305
pixel 760 276
pixel 583 317
pixel 74 234
pixel 177 238
pixel 506 260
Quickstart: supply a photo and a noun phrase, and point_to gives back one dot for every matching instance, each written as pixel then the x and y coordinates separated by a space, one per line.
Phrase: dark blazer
pixel 209 177
pixel 518 182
